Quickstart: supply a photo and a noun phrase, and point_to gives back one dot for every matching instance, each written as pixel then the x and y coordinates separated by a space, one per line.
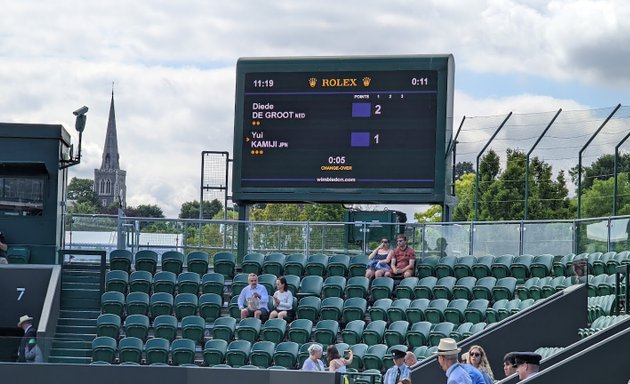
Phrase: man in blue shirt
pixel 399 371
pixel 447 358
pixel 254 299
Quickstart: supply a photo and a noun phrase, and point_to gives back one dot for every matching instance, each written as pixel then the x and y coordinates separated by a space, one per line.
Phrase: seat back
pixel 157 351
pixel 197 262
pixel 173 261
pixel 146 260
pixel 104 349
pixel 224 263
pixel 165 327
pixel 183 351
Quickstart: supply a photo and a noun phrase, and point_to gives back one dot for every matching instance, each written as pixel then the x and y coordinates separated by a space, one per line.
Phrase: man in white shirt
pixel 254 299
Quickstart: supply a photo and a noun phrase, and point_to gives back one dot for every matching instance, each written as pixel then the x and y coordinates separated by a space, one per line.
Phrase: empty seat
pixel 378 310
pixel 286 354
pixel 212 282
pixel 210 305
pixel 140 281
pixel 261 354
pixel 357 286
pixel 185 305
pixel 440 331
pixel 541 266
pixel 461 330
pixel 326 332
pixel 117 280
pixel 418 334
pixel 374 331
pixel 214 352
pixel 108 325
pixel 481 267
pixel 483 287
pixel 333 286
pixel 463 288
pixel 311 286
pixel 338 265
pixel 504 288
pixel 183 351
pixel 598 267
pixel 248 329
pixel 352 332
pixel 616 261
pixel 146 260
pixel 493 314
pixel 426 266
pixel 223 328
pixel 104 349
pixel 354 309
pixel 193 328
pixel 188 282
pixel 273 330
pixel 137 303
pixel 443 288
pixel 522 291
pixel 112 302
pixel 300 331
pixel 316 265
pixel 137 326
pixel 416 309
pixel 161 303
pixel 560 266
pixel 197 262
pixel 295 264
pixel 476 310
pixel 331 308
pixel 130 350
pixel 120 260
pixel 357 266
pixel 463 266
pixel 164 281
pixel 273 264
pixel 445 266
pixel 404 290
pixel 520 267
pixel 373 357
pixel 396 333
pixel 252 263
pixel 382 287
pixel 397 311
pixel 173 261
pixel 308 308
pixel 435 311
pixel 224 263
pixel 157 350
pixel 454 311
pixel 424 289
pixel 500 266
pixel 165 327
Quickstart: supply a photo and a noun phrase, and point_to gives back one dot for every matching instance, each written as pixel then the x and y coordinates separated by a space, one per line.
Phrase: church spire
pixel 110 151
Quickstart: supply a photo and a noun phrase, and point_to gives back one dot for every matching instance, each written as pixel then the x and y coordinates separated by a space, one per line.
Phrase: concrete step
pixel 81 293
pixel 70 344
pixel 80 314
pixel 76 336
pixel 76 322
pixel 69 360
pixel 74 329
pixel 88 285
pixel 71 352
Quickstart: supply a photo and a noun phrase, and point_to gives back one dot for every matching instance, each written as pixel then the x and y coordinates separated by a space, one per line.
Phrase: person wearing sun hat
pixel 447 358
pixel 26 323
pixel 399 370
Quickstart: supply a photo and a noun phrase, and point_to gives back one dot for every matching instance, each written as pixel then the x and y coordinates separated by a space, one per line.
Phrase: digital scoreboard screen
pixel 343 130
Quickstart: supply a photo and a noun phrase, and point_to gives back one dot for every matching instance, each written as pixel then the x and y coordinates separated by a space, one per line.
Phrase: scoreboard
pixel 362 129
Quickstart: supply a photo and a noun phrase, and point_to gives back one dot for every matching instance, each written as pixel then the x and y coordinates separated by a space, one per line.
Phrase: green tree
pixel 601 169
pixel 322 212
pixel 462 168
pixel 81 191
pixel 432 215
pixel 190 209
pixel 597 200
pixel 465 192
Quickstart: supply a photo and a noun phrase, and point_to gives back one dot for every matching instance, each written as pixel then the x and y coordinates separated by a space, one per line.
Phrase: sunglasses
pixel 475 354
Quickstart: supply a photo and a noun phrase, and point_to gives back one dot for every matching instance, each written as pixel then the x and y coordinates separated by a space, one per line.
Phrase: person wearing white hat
pixel 447 358
pixel 26 323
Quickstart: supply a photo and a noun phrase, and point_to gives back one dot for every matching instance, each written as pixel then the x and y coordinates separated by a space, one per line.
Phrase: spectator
pixel 465 358
pixel 447 358
pixel 403 259
pixel 282 301
pixel 254 299
pixel 406 380
pixel 410 359
pixel 3 249
pixel 509 365
pixel 336 362
pixel 33 353
pixel 478 359
pixel 399 370
pixel 440 246
pixel 527 364
pixel 26 323
pixel 378 260
pixel 314 362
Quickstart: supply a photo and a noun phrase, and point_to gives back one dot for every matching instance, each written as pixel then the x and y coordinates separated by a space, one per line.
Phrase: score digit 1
pixel 376 138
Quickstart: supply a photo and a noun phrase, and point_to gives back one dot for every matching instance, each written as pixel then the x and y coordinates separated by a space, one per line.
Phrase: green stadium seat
pixel 104 349
pixel 463 266
pixel 210 306
pixel 476 328
pixel 500 266
pixel 369 376
pixel 252 263
pixel 326 332
pixel 300 331
pixel 357 286
pixel 269 282
pixel 108 325
pixel 113 302
pixel 504 288
pixel 522 291
pixel 593 258
pixel 404 290
pixel 357 266
pixel 481 267
pixel 186 304
pixel 358 351
pixel 140 281
pixel 331 308
pixel 308 308
pixel 476 310
pixel 396 333
pixel 483 287
pixel 137 326
pixel 224 328
pixel 137 303
pixel 157 351
pixel 286 354
pixel 311 286
pixel 435 311
pixel 224 263
pixel 373 357
pixel 510 308
pixel 493 313
pixel 607 287
pixel 273 264
pixel 454 311
pixel 248 329
pixel 560 266
pixel 293 284
pixel 424 289
pixel 382 287
pixel 262 354
pixel 445 266
pixel 212 282
pixel 616 261
pixel 239 282
pixel 188 282
pixel 556 284
pixel 425 266
pixel 164 281
pixel 193 328
pixel 273 330
pixel 295 264
pixel 173 261
pixel 463 287
pixel 535 291
pixel 418 335
pixel 198 262
pixel 520 267
pixel 541 266
pixel 443 288
pixel 374 331
pixel 165 327
pixel 334 286
pixel 183 351
pixel 421 352
pixel 120 260
pixel 117 280
pixel 354 308
pixel 214 352
pixel 598 267
pixel 338 265
pixel 397 311
pixel 316 265
pixel 146 260
pixel 416 309
pixel 461 330
pixel 161 303
pixel 440 331
pixel 378 310
pixel 130 350
pixel 351 334
pixel 525 304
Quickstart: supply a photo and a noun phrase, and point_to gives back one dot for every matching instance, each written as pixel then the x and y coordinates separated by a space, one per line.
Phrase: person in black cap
pixel 399 370
pixel 509 365
pixel 527 364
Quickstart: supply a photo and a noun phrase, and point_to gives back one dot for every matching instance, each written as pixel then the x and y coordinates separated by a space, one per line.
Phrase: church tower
pixel 109 180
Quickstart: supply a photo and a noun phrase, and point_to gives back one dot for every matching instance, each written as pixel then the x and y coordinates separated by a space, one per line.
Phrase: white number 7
pixel 21 293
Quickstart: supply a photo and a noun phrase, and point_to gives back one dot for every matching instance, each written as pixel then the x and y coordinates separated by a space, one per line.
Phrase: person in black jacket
pixel 26 323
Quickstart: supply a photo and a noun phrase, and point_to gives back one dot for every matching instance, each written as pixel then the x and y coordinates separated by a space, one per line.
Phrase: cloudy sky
pixel 173 65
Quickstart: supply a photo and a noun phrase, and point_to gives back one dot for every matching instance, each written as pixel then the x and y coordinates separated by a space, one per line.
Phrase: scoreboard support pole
pixel 242 232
